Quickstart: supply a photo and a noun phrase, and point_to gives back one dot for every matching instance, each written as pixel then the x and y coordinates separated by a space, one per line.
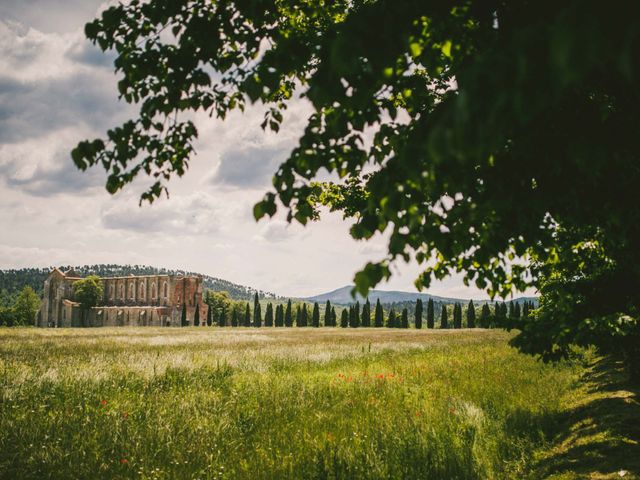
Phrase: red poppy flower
pixel 123 461
pixel 103 402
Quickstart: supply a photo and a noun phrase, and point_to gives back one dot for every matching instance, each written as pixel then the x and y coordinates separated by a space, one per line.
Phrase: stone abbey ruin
pixel 152 300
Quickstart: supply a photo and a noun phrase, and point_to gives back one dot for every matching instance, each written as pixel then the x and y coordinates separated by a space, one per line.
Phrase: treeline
pixel 224 311
pixel 13 281
pixel 19 308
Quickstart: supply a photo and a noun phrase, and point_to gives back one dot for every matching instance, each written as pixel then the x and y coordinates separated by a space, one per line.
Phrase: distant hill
pixel 342 296
pixel 12 281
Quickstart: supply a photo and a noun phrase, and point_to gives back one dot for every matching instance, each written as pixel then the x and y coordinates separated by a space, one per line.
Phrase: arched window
pixel 165 290
pixel 122 291
pixel 142 291
pixel 153 291
pixel 132 291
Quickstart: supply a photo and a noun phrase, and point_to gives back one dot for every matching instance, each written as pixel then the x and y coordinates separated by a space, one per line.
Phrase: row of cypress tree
pixel 356 316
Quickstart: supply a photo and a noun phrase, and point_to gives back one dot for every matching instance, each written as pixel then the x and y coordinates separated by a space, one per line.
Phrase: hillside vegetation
pixel 13 281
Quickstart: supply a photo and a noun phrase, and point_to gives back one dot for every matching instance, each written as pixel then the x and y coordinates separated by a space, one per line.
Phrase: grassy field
pixel 277 403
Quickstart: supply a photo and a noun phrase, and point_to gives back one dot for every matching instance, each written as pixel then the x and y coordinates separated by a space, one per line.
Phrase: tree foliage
pixel 88 292
pixel 268 316
pixel 418 314
pixel 288 318
pixel 499 131
pixel 328 315
pixel 430 314
pixel 444 317
pixel 257 311
pixel 315 315
pixel 366 314
pixel 25 308
pixel 404 319
pixel 471 315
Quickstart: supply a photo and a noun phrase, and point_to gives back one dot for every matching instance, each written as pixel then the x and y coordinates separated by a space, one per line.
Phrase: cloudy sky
pixel 57 89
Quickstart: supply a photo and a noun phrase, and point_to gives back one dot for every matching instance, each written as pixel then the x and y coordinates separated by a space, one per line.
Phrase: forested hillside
pixel 13 281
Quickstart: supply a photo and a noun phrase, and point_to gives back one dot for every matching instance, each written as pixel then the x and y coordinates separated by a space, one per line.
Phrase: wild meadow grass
pixel 254 404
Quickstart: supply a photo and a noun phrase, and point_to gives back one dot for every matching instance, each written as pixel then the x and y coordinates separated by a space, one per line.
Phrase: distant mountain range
pixel 342 296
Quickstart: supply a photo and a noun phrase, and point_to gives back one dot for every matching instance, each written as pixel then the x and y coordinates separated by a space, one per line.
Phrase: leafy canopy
pixel 471 132
pixel 88 291
pixel 26 306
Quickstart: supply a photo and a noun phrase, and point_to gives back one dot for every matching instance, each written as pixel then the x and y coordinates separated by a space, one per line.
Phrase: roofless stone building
pixel 150 300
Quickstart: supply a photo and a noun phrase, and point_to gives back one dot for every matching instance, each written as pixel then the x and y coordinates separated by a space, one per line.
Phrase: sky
pixel 57 89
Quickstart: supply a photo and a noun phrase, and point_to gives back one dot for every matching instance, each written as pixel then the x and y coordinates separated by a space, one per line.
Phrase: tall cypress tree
pixel 391 321
pixel 298 316
pixel 315 316
pixel 268 316
pixel 288 319
pixel 234 317
pixel 516 311
pixel 366 314
pixel 431 314
pixel 328 321
pixel 279 316
pixel 334 317
pixel 221 319
pixel 418 314
pixel 304 319
pixel 209 316
pixel 444 318
pixel 356 315
pixel 485 316
pixel 511 313
pixel 525 309
pixel 471 315
pixel 344 318
pixel 183 316
pixel 457 315
pixel 196 316
pixel 404 323
pixel 379 315
pixel 247 316
pixel 257 314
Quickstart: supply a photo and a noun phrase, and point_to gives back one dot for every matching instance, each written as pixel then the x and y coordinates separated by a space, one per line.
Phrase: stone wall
pixel 154 300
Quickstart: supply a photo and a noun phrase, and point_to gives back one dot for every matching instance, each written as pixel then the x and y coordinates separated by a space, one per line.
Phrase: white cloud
pixel 195 214
pixel 249 166
pixel 51 16
pixel 278 231
pixel 42 166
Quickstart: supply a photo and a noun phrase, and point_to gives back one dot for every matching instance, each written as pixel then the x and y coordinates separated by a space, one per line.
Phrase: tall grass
pixel 278 403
